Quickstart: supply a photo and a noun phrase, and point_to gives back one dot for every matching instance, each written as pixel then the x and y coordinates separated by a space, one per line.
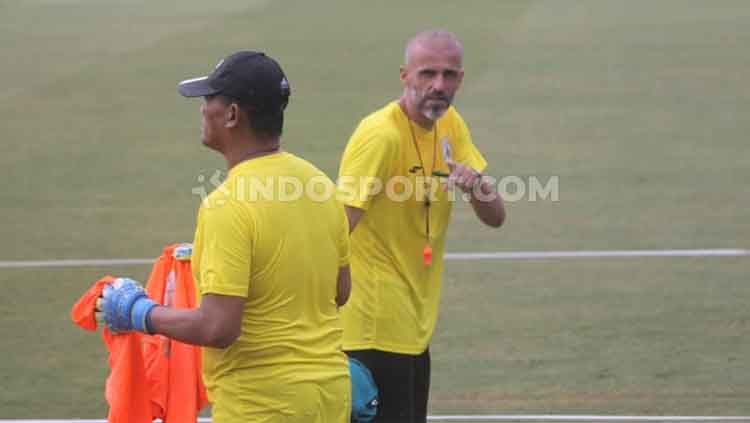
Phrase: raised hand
pixel 462 176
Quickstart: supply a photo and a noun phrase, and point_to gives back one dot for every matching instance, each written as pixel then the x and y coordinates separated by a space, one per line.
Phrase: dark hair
pixel 262 122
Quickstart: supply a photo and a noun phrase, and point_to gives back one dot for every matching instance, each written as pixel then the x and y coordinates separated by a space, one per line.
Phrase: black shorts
pixel 403 383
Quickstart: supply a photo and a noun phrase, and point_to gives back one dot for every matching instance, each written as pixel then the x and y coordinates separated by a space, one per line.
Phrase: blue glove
pixel 126 306
pixel 364 392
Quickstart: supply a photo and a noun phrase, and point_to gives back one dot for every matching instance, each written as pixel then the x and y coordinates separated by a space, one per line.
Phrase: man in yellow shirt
pixel 392 180
pixel 271 265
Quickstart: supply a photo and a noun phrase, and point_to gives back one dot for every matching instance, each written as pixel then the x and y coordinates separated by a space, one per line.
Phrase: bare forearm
pixel 343 285
pixel 190 326
pixel 488 205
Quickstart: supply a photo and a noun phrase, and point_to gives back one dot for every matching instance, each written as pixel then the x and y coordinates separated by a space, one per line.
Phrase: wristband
pixel 140 314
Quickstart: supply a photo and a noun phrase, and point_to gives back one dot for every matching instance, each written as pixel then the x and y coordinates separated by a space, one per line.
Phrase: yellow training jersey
pixel 395 296
pixel 270 234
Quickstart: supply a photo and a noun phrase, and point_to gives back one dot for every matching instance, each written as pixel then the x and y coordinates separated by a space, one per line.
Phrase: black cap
pixel 250 77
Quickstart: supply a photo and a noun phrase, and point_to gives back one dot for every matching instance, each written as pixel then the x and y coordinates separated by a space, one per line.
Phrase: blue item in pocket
pixel 364 392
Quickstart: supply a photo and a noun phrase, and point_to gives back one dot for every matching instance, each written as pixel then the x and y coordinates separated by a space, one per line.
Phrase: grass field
pixel 638 107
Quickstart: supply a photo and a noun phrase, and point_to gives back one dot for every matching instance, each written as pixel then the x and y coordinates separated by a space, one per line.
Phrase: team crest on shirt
pixel 447 150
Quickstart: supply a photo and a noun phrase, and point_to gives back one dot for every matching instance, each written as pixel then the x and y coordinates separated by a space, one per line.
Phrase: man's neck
pixel 414 115
pixel 251 150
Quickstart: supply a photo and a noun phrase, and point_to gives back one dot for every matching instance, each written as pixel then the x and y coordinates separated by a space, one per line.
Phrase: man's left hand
pixel 125 306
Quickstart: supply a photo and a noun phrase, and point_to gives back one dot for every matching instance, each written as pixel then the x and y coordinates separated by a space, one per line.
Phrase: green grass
pixel 638 108
pixel 641 337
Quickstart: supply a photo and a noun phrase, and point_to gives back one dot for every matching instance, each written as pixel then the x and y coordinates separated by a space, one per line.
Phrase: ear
pixel 403 74
pixel 232 116
pixel 460 78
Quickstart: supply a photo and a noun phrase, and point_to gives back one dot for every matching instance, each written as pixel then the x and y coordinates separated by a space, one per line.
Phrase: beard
pixel 435 110
pixel 432 106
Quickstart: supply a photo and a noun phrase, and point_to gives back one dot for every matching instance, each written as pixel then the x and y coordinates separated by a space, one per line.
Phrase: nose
pixel 438 83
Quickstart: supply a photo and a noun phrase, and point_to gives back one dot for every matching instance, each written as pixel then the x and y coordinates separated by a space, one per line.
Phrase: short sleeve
pixel 466 152
pixel 365 166
pixel 226 257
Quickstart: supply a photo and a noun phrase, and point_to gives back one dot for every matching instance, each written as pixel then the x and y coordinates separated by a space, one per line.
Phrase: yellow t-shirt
pixel 269 234
pixel 395 296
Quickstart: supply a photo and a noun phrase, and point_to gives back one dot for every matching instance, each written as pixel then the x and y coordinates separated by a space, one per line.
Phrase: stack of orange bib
pixel 151 376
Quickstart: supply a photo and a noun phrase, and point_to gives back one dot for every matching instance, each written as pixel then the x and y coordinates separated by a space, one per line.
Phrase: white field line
pixel 502 418
pixel 509 255
pixel 716 252
pixel 584 418
pixel 21 264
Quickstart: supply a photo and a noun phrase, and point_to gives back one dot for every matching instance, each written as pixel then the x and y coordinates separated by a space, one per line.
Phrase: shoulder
pixel 226 202
pixel 456 127
pixel 219 197
pixel 307 170
pixel 454 118
pixel 381 127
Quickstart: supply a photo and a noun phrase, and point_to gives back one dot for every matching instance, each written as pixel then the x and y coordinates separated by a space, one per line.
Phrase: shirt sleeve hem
pixel 227 292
